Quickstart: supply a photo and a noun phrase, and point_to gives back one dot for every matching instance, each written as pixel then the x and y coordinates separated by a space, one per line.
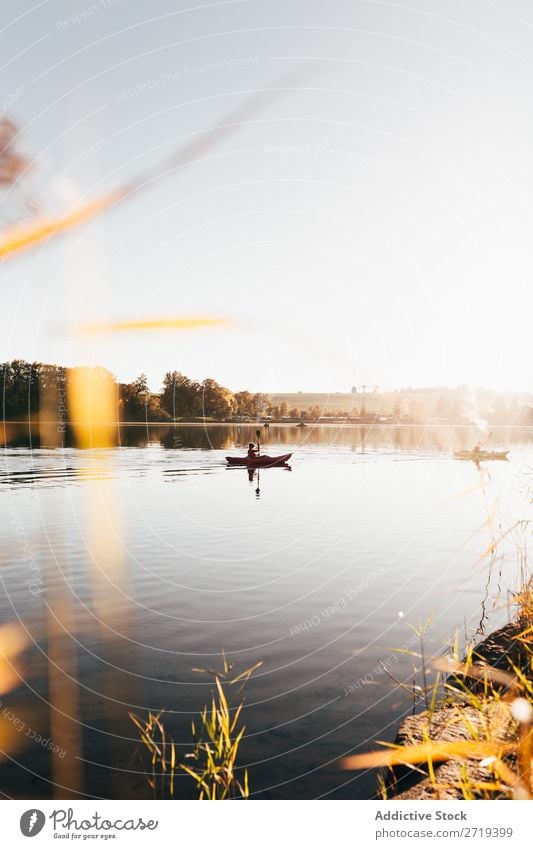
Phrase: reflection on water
pixel 358 437
pixel 318 572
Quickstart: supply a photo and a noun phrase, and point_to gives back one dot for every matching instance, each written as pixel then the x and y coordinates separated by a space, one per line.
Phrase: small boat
pixel 301 424
pixel 263 461
pixel 481 455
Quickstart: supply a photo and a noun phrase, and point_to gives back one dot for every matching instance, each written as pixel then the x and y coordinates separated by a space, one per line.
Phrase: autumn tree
pixel 244 404
pixel 179 395
pixel 134 399
pixel 217 401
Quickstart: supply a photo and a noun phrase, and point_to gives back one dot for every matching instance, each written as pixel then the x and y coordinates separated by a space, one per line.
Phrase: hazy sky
pixel 372 224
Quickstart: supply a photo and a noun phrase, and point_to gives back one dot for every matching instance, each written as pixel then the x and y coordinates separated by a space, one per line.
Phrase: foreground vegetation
pixel 475 738
pixel 212 762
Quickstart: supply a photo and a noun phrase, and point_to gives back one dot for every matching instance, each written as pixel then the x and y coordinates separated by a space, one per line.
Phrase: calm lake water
pixel 131 568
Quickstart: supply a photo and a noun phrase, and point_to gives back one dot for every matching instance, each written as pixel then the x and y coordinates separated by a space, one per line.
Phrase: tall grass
pixel 212 762
pixel 494 706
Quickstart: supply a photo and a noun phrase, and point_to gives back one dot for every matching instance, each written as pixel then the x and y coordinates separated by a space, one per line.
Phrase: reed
pixel 212 762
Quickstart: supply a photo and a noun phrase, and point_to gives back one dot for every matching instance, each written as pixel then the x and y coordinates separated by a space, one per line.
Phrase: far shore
pixel 260 425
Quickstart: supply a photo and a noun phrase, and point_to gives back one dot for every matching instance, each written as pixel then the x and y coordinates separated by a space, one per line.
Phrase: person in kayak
pixel 252 450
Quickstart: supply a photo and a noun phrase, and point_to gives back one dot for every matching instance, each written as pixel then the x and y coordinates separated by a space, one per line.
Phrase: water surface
pixel 132 567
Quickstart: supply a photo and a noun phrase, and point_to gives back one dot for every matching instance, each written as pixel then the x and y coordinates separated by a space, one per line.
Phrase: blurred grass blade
pixel 425 752
pixel 17 239
pixel 179 323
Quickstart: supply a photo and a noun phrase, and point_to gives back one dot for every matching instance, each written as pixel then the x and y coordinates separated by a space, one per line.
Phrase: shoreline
pixel 259 425
pixel 465 714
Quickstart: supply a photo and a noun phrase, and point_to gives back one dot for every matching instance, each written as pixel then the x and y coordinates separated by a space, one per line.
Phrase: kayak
pixel 481 455
pixel 262 460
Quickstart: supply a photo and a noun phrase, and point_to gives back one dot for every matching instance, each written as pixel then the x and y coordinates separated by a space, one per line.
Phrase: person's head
pixel 250 445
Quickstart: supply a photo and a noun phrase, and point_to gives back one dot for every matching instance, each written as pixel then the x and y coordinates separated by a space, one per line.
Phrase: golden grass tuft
pixel 212 763
pixel 495 710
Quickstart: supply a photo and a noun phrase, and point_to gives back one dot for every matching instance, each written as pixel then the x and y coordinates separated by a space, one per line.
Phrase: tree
pixel 19 388
pixel 284 409
pixel 260 404
pixel 244 404
pixel 154 410
pixel 177 398
pixel 217 401
pixel 134 399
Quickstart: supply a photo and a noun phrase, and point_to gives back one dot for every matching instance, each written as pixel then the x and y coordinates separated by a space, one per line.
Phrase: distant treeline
pixel 28 389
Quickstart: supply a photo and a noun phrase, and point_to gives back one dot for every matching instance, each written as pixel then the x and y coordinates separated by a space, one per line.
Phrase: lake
pixel 132 567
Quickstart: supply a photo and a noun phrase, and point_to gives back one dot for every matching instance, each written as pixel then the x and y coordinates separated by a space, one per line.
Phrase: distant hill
pixel 418 404
pixel 335 402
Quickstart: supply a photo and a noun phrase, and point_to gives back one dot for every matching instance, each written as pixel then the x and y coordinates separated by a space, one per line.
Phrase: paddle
pixel 258 437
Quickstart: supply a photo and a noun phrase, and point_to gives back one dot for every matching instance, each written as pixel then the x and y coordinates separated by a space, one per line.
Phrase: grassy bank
pixel 474 740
